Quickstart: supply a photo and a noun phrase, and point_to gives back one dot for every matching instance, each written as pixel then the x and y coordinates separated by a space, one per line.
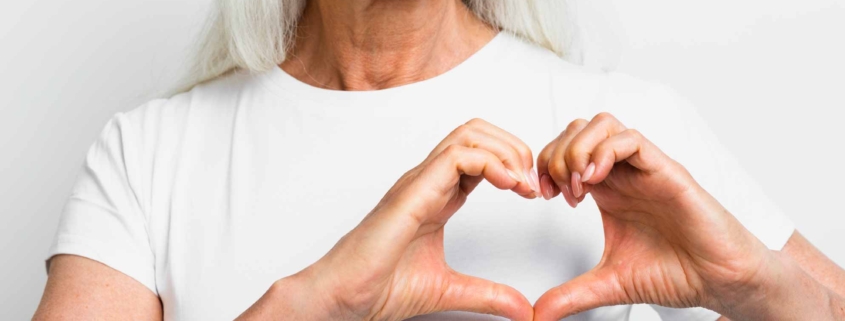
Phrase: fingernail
pixel 588 173
pixel 531 179
pixel 513 175
pixel 567 195
pixel 576 184
pixel 546 183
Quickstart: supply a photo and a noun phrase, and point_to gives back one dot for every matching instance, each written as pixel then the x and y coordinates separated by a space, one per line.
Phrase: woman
pixel 255 194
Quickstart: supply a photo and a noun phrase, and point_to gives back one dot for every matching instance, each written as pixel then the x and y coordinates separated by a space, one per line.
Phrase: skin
pixel 369 45
pixel 392 267
pixel 667 241
pixel 79 288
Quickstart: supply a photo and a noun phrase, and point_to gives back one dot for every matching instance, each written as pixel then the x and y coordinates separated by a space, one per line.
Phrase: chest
pixel 278 195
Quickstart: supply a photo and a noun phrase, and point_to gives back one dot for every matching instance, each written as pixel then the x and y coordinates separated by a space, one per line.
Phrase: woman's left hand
pixel 667 241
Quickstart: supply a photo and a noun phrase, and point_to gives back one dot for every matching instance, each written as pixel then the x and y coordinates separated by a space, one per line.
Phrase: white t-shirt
pixel 210 196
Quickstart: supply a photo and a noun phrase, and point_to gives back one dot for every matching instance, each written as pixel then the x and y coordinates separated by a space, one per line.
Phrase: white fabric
pixel 208 197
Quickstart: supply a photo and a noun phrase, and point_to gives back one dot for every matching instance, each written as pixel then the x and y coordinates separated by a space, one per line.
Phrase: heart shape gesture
pixel 392 266
pixel 667 241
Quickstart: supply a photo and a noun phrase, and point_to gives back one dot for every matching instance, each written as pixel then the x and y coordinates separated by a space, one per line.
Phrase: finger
pixel 469 183
pixel 548 187
pixel 522 149
pixel 472 135
pixel 475 162
pixel 588 291
pixel 552 162
pixel 472 294
pixel 425 196
pixel 546 154
pixel 444 172
pixel 577 154
pixel 629 145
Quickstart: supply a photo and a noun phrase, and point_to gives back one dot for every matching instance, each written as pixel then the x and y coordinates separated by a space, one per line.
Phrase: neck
pixel 373 44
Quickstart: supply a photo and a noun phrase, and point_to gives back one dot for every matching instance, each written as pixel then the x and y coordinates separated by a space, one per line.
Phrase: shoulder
pixel 653 108
pixel 205 104
pixel 581 92
pixel 621 86
pixel 525 56
pixel 218 95
pixel 165 127
pixel 564 74
pixel 649 106
pixel 570 87
pixel 636 98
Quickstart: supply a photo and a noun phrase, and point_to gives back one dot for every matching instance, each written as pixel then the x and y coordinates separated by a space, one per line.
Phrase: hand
pixel 392 267
pixel 667 241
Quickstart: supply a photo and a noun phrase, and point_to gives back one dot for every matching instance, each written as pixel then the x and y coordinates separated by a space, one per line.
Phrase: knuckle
pixel 476 122
pixel 602 148
pixel 451 152
pixel 525 151
pixel 557 169
pixel 465 135
pixel 604 117
pixel 493 293
pixel 576 125
pixel 635 133
pixel 575 150
pixel 462 131
pixel 546 154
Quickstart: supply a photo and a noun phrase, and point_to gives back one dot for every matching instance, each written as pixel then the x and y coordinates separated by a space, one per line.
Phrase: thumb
pixel 596 288
pixel 472 294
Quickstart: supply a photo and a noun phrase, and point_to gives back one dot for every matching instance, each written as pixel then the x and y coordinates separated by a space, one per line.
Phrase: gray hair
pixel 254 35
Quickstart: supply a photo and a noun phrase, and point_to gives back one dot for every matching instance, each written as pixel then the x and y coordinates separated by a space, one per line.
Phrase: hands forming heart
pixel 667 241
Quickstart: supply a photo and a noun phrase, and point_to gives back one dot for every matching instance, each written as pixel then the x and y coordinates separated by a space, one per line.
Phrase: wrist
pixel 287 294
pixel 744 295
pixel 306 297
pixel 780 290
pixel 290 298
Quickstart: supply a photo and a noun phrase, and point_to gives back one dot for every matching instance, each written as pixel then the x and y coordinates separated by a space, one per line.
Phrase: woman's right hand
pixel 392 266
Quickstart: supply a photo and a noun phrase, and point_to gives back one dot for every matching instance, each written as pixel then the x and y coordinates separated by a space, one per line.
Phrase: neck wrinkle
pixel 361 45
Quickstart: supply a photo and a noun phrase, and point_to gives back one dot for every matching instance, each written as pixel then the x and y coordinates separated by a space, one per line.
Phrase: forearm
pixel 786 292
pixel 815 263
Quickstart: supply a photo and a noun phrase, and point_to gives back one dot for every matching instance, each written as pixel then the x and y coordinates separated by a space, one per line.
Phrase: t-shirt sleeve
pixel 103 219
pixel 673 124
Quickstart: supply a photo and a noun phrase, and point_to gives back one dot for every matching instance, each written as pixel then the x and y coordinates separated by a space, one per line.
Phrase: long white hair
pixel 255 35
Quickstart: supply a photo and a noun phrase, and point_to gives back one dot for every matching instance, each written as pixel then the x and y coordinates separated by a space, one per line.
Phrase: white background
pixel 769 76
